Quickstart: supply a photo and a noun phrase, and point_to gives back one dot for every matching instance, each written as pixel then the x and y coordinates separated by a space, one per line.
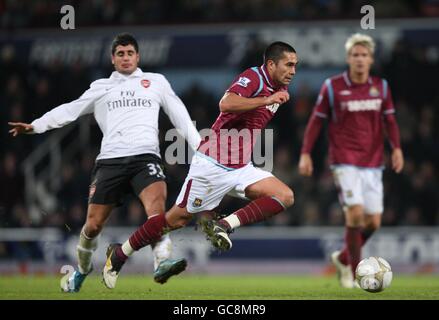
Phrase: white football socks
pixel 85 248
pixel 233 221
pixel 127 249
pixel 162 250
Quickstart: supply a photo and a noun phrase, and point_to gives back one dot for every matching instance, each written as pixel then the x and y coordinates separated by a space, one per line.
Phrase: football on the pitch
pixel 373 274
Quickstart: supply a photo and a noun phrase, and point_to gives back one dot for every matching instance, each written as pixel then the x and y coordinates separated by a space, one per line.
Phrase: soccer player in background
pixel 222 167
pixel 359 109
pixel 126 107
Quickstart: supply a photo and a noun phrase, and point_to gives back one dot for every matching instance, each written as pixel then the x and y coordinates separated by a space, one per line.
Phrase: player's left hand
pixel 20 128
pixel 279 97
pixel 397 160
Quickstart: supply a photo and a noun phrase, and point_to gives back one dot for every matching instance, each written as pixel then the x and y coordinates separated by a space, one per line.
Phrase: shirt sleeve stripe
pixel 385 89
pixel 331 97
pixel 321 115
pixel 261 83
pixel 390 111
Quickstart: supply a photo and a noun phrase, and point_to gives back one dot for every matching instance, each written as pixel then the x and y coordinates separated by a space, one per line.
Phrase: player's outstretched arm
pixel 20 128
pixel 232 102
pixel 68 112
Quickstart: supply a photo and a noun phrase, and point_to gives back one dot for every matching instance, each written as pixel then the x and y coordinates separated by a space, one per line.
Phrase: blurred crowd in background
pixel 411 198
pixel 45 13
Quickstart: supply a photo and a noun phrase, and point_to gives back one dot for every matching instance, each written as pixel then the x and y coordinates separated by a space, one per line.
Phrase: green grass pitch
pixel 219 287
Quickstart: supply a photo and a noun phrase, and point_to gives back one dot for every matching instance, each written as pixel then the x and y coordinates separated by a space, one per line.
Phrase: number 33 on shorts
pixel 154 169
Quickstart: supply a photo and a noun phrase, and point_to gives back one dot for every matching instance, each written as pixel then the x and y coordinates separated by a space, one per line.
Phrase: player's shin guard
pixel 85 249
pixel 256 211
pixel 150 232
pixel 161 250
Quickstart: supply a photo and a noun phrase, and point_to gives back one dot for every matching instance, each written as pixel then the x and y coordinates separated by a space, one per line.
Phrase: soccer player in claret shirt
pixel 359 109
pixel 126 107
pixel 222 167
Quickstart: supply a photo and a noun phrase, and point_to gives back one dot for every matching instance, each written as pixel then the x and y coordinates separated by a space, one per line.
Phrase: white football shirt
pixel 126 108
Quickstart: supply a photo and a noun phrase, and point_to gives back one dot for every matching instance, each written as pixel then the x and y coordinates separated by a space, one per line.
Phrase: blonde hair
pixel 361 39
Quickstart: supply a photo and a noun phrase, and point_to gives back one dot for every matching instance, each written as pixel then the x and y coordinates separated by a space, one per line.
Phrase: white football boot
pixel 112 267
pixel 344 272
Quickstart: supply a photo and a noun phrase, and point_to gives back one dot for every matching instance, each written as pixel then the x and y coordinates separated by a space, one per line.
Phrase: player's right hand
pixel 278 97
pixel 20 128
pixel 305 165
pixel 397 160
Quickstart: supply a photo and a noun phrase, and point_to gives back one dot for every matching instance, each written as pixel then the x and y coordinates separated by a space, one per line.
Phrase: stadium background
pixel 200 46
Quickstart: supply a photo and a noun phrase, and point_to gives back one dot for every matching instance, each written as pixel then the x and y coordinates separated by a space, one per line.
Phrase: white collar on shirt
pixel 119 76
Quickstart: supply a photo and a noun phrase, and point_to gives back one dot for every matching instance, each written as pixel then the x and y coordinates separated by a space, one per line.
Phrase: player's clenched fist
pixel 279 97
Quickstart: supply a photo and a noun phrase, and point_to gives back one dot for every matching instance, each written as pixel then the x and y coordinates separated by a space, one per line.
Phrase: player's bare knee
pixel 286 196
pixel 373 226
pixel 355 221
pixel 92 229
pixel 355 216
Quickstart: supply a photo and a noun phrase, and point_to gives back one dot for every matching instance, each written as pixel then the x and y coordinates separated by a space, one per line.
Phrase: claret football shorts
pixel 359 186
pixel 208 182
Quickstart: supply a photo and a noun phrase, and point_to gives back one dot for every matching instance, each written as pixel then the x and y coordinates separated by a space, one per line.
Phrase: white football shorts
pixel 359 186
pixel 208 182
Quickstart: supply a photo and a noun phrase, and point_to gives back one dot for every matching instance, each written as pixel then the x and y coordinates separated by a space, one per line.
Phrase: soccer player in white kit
pixel 126 107
pixel 359 108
